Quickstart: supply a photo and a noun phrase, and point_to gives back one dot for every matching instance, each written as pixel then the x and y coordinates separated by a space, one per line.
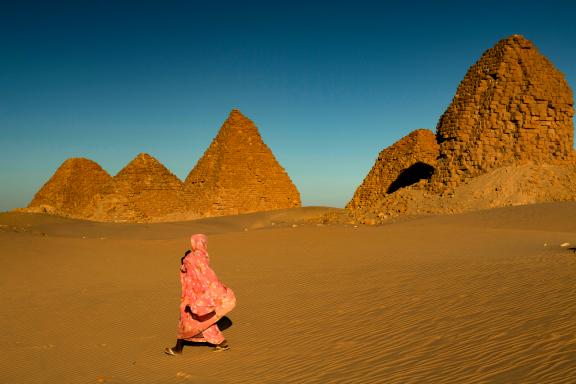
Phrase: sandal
pixel 220 348
pixel 170 351
pixel 223 346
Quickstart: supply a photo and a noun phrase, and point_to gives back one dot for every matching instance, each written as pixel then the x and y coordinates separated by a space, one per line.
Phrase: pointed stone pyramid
pixel 238 174
pixel 71 188
pixel 512 107
pixel 404 163
pixel 143 190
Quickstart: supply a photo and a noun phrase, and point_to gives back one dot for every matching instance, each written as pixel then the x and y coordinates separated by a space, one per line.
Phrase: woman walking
pixel 204 299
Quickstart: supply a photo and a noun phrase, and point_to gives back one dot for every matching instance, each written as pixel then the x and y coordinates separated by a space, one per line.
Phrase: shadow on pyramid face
pixel 411 175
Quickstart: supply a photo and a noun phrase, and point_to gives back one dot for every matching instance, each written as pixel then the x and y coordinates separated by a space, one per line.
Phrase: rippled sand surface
pixel 488 297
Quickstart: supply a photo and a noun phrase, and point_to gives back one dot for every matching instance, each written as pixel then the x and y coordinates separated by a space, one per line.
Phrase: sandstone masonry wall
pixel 72 187
pixel 402 164
pixel 143 190
pixel 512 107
pixel 238 174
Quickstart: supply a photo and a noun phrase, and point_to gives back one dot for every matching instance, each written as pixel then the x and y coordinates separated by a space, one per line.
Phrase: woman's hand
pixel 202 318
pixel 184 306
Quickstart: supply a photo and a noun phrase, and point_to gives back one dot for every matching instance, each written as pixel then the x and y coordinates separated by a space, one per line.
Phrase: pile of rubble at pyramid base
pixel 112 209
pixel 42 208
pixel 116 210
pixel 120 214
pixel 507 186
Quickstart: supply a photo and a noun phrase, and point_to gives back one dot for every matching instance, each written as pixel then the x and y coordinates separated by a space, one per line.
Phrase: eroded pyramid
pixel 238 173
pixel 403 164
pixel 506 139
pixel 144 190
pixel 512 107
pixel 70 190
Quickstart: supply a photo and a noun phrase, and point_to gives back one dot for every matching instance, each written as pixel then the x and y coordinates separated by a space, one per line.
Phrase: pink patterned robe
pixel 204 298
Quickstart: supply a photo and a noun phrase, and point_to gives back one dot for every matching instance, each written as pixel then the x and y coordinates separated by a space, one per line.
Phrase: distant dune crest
pixel 506 139
pixel 237 174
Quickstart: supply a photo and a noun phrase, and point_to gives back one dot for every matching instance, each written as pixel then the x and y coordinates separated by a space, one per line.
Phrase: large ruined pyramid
pixel 71 188
pixel 404 163
pixel 238 173
pixel 506 139
pixel 142 191
pixel 512 107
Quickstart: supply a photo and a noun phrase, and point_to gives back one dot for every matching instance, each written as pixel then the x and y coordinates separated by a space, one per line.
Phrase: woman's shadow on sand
pixel 223 324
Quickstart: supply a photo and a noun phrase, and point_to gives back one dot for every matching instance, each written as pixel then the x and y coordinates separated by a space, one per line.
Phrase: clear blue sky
pixel 328 83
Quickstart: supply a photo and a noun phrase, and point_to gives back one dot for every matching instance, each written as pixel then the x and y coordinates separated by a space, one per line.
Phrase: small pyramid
pixel 238 173
pixel 512 107
pixel 71 188
pixel 143 190
pixel 404 163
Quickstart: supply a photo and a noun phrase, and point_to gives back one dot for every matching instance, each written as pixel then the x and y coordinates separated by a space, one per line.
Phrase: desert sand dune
pixel 485 297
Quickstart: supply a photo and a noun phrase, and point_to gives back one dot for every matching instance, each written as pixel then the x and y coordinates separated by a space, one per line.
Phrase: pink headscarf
pixel 199 243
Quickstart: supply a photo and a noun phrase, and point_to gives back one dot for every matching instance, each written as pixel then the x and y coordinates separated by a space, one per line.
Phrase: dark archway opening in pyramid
pixel 411 175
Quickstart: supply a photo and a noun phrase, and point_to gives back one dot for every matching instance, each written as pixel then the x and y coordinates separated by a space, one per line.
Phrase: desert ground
pixel 483 297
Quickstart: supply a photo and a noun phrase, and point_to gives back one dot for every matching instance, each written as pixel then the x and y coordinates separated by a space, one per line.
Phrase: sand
pixel 484 297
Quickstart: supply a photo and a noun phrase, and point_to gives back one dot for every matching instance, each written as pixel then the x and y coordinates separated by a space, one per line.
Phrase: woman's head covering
pixel 199 242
